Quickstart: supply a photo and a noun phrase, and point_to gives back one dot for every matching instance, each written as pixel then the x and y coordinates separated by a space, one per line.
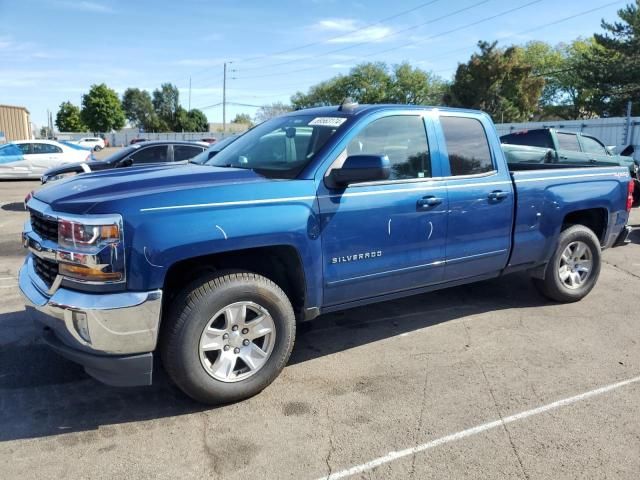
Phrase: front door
pixel 388 236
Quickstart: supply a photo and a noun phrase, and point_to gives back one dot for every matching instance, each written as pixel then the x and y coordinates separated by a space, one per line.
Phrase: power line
pixel 389 35
pixel 486 19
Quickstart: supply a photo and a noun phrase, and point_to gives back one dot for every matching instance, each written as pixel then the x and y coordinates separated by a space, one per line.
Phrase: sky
pixel 52 51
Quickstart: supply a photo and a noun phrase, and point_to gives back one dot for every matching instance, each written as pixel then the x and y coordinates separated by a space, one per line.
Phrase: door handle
pixel 563 157
pixel 498 195
pixel 426 202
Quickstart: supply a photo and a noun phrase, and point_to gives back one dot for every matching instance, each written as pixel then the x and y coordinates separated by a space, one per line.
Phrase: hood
pixel 80 194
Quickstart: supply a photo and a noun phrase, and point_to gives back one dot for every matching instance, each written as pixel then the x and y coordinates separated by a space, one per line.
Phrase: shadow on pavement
pixel 42 394
pixel 14 207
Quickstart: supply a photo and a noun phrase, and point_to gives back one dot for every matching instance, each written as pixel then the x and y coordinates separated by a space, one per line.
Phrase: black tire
pixel 97 148
pixel 191 312
pixel 552 286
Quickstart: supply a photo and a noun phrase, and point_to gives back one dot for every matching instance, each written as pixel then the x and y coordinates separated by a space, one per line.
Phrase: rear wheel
pixel 573 270
pixel 227 336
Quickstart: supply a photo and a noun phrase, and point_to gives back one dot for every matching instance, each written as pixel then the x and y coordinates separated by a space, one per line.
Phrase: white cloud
pixel 352 31
pixel 85 6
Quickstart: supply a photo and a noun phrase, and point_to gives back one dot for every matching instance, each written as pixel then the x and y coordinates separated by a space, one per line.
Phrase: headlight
pixel 91 250
pixel 80 236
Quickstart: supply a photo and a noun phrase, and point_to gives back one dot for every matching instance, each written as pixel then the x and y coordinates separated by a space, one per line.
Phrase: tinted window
pixel 591 145
pixel 24 147
pixel 185 152
pixel 403 139
pixel 150 155
pixel 568 141
pixel 531 138
pixel 42 148
pixel 467 145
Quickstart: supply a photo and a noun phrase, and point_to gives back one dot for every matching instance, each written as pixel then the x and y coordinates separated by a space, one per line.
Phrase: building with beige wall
pixel 14 123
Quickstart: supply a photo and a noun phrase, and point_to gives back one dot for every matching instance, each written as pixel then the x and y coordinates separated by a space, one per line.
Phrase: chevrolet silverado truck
pixel 209 267
pixel 560 149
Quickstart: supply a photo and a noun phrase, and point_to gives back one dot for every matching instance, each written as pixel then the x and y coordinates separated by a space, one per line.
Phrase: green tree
pixel 267 112
pixel 166 102
pixel 68 118
pixel 498 81
pixel 102 110
pixel 191 121
pixel 375 83
pixel 614 68
pixel 242 118
pixel 138 108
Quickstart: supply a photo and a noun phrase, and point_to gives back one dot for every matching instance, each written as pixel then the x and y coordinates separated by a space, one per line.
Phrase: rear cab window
pixel 467 146
pixel 530 138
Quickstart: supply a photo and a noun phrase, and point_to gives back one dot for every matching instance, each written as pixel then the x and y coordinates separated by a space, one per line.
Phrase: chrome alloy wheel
pixel 576 265
pixel 237 341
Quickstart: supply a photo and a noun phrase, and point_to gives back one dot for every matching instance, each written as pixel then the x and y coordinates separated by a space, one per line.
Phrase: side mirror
pixel 628 151
pixel 125 162
pixel 362 168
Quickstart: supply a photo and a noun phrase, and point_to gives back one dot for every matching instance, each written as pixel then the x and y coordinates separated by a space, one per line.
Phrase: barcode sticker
pixel 327 121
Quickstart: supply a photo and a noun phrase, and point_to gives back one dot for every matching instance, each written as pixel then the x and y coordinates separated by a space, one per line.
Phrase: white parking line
pixel 391 456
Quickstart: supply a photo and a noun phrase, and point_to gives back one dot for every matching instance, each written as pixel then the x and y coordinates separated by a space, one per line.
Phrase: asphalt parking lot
pixel 486 381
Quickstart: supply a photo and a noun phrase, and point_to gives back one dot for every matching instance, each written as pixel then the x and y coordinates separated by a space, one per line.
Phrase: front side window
pixel 568 141
pixel 591 145
pixel 467 145
pixel 403 139
pixel 280 147
pixel 25 148
pixel 155 154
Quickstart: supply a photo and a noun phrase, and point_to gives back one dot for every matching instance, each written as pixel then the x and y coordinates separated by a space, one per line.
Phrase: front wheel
pixel 227 336
pixel 573 270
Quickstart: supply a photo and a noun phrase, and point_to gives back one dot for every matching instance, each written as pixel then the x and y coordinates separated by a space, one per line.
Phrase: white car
pixel 94 143
pixel 31 158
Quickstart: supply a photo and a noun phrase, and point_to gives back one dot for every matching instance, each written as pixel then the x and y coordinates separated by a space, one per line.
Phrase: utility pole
pixel 224 99
pixel 627 127
pixel 189 92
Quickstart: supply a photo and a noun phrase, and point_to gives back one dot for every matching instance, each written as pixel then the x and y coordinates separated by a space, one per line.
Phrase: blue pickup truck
pixel 209 267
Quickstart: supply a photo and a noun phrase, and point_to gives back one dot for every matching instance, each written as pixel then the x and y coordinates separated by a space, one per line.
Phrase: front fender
pixel 161 239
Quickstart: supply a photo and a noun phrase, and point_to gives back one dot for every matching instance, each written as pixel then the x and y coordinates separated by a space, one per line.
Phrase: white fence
pixel 618 131
pixel 125 136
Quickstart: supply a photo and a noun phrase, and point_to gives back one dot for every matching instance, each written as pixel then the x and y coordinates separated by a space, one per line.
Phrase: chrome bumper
pixel 99 324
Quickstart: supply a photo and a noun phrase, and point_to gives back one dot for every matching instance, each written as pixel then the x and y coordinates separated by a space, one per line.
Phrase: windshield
pixel 280 147
pixel 213 150
pixel 9 150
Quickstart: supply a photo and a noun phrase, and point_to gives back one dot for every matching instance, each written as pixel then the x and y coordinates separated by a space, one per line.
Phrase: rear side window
pixel 467 145
pixel 185 152
pixel 568 141
pixel 403 139
pixel 531 138
pixel 591 145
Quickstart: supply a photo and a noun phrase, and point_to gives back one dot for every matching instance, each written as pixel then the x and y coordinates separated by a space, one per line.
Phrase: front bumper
pixel 110 334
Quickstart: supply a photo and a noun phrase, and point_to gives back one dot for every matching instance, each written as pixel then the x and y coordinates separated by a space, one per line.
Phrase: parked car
pixel 137 154
pixel 213 150
pixel 211 266
pixel 94 143
pixel 137 140
pixel 559 149
pixel 31 158
pixel 209 140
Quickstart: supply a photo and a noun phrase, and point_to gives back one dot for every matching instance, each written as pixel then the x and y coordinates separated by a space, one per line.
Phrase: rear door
pixel 386 236
pixel 569 150
pixel 481 199
pixel 43 156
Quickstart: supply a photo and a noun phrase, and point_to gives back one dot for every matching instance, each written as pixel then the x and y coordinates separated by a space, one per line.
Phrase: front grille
pixel 46 228
pixel 46 270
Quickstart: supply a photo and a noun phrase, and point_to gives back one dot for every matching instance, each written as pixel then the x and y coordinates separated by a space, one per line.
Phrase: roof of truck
pixel 357 109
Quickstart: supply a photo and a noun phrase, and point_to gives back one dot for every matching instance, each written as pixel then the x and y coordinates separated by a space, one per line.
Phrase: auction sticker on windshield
pixel 327 121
